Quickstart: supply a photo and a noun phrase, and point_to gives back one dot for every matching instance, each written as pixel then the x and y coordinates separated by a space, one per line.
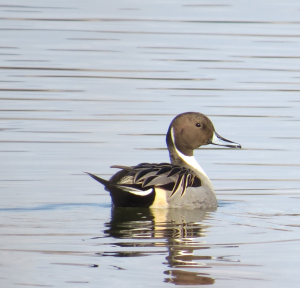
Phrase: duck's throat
pixel 179 158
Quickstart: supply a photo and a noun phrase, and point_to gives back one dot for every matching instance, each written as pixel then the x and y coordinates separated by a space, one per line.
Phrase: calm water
pixel 88 84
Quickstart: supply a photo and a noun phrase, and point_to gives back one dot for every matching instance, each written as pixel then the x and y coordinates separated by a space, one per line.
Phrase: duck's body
pixel 183 183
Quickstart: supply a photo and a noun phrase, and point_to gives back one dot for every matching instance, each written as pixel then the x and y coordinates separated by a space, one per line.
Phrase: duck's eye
pixel 198 125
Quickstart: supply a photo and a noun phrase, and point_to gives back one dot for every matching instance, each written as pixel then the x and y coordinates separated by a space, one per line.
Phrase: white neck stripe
pixel 190 160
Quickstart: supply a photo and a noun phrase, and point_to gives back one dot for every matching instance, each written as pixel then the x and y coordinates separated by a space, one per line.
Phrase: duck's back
pixel 159 185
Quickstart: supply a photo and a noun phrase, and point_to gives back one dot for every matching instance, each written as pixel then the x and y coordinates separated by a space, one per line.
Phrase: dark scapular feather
pixel 148 180
pixel 141 174
pixel 178 182
pixel 164 170
pixel 174 171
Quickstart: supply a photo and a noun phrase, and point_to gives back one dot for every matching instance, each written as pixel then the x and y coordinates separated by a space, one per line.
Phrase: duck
pixel 179 184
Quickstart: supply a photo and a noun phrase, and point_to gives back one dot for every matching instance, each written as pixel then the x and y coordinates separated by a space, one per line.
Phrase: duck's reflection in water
pixel 179 230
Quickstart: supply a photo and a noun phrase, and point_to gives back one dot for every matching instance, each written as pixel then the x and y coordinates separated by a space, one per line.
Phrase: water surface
pixel 85 85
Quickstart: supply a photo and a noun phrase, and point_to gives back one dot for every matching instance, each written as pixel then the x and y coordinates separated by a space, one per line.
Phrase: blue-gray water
pixel 88 84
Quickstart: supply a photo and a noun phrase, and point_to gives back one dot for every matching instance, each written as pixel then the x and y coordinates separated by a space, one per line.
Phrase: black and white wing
pixel 143 178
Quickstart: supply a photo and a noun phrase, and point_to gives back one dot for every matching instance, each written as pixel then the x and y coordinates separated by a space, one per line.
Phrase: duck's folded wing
pixel 143 178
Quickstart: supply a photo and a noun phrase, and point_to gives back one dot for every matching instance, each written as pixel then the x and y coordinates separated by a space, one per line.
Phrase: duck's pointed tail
pixel 100 180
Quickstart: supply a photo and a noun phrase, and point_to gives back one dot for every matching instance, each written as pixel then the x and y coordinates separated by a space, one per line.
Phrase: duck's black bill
pixel 220 141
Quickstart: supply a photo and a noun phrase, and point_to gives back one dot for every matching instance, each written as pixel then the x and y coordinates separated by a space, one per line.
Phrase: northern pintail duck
pixel 183 183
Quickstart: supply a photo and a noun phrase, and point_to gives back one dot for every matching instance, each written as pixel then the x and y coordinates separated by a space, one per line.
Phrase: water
pixel 85 85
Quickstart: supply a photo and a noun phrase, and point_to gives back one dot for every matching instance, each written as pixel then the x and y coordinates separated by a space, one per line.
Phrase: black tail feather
pixel 123 197
pixel 100 180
